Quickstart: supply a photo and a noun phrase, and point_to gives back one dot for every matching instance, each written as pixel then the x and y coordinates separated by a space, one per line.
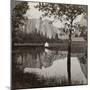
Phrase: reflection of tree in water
pixel 38 57
pixel 83 64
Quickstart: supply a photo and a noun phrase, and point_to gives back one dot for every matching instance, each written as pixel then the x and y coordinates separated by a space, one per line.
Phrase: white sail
pixel 46 44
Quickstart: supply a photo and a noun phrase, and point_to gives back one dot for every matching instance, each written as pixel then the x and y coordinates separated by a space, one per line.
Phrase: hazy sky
pixel 35 13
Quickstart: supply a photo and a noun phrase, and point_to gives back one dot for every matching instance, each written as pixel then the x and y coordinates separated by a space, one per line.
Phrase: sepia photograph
pixel 49 44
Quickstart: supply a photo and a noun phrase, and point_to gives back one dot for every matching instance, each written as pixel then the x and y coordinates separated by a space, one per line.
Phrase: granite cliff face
pixel 44 27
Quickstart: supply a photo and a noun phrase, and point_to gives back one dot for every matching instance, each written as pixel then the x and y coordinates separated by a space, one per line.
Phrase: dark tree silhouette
pixel 18 19
pixel 68 13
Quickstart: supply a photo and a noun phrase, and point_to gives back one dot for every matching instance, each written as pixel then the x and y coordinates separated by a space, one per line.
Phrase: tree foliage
pixel 66 12
pixel 18 19
pixel 18 13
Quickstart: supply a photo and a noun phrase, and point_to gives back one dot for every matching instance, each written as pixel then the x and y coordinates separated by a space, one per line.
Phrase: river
pixel 43 67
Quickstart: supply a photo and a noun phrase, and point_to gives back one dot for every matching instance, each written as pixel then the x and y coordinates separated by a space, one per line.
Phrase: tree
pixel 18 19
pixel 83 30
pixel 82 27
pixel 56 37
pixel 66 13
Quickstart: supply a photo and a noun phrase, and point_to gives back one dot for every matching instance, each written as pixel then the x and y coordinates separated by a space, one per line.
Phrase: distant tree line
pixel 36 37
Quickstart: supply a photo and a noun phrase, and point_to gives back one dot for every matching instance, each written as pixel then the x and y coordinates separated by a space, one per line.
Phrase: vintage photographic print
pixel 49 44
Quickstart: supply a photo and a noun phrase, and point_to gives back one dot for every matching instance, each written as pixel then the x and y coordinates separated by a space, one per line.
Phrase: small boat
pixel 46 44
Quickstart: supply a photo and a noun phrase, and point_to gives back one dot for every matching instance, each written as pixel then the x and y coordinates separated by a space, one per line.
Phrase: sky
pixel 35 13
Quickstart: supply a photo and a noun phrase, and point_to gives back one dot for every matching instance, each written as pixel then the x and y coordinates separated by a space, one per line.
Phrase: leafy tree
pixel 18 20
pixel 83 26
pixel 66 13
pixel 56 37
pixel 83 30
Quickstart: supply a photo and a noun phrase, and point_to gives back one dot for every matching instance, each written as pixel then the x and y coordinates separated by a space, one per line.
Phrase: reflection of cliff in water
pixel 39 67
pixel 58 70
pixel 39 57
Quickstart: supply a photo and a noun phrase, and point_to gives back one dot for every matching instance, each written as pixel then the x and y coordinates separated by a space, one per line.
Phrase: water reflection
pixel 49 65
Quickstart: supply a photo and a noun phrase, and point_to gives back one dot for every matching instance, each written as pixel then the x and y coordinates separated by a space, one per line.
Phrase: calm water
pixel 38 67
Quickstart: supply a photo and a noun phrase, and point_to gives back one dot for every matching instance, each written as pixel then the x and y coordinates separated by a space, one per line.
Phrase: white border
pixel 61 1
pixel 5 48
pixel 4 44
